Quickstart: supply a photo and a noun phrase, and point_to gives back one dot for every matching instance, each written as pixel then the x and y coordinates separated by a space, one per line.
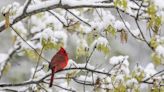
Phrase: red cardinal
pixel 58 62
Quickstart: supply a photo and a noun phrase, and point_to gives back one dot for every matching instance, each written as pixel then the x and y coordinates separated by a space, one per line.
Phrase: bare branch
pixel 71 90
pixel 36 81
pixel 33 9
pixel 153 75
pixel 39 60
pixel 89 57
pixel 79 18
pixel 28 43
pixel 127 27
pixel 27 3
pixel 54 14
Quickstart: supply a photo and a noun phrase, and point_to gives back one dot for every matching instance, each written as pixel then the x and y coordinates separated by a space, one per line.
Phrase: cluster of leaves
pixel 157 43
pixel 120 3
pixel 155 21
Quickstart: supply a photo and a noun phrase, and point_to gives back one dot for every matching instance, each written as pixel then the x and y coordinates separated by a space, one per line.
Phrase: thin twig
pixel 89 57
pixel 26 6
pixel 62 87
pixel 28 44
pixel 153 75
pixel 139 9
pixel 99 14
pixel 53 13
pixel 79 18
pixel 38 60
pixel 127 26
pixel 85 81
pixel 43 88
pixel 36 81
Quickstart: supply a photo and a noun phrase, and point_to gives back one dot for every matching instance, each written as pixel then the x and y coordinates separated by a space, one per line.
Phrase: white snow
pixel 19 27
pixel 124 69
pixel 101 40
pixel 131 82
pixel 83 2
pixel 60 36
pixel 135 32
pixel 101 23
pixel 71 64
pixel 150 70
pixel 36 29
pixel 82 42
pixel 82 78
pixel 47 33
pixel 39 74
pixel 119 78
pixel 42 5
pixel 60 16
pixel 86 29
pixel 160 50
pixel 120 25
pixel 88 66
pixel 118 59
pixel 55 36
pixel 2 23
pixel 159 3
pixel 3 59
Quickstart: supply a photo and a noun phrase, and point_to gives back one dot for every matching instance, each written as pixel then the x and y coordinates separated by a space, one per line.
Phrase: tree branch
pixel 28 44
pixel 79 18
pixel 27 3
pixel 49 5
pixel 36 81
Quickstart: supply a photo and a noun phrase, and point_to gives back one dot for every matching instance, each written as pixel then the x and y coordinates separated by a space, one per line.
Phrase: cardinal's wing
pixel 58 61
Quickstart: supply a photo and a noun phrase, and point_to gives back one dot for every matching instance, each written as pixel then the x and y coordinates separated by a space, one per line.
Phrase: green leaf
pixel 136 89
pixel 121 88
pixel 31 54
pixel 81 51
pixel 40 15
pixel 111 30
pixel 155 89
pixel 153 42
pixel 156 59
pixel 7 68
pixel 103 48
pixel 121 3
pixel 139 75
pixel 124 3
pixel 92 36
pixel 48 44
pixel 158 20
pixel 151 9
pixel 162 88
pixel 115 3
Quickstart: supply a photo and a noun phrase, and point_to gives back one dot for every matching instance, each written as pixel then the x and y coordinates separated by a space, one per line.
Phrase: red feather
pixel 58 62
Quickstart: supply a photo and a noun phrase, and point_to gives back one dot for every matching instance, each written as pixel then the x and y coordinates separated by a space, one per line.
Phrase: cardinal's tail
pixel 52 78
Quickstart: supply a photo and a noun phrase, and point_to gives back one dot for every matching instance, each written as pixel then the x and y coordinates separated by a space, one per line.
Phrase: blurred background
pixel 137 51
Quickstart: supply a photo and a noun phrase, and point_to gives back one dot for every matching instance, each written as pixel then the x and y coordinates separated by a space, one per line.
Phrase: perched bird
pixel 58 62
